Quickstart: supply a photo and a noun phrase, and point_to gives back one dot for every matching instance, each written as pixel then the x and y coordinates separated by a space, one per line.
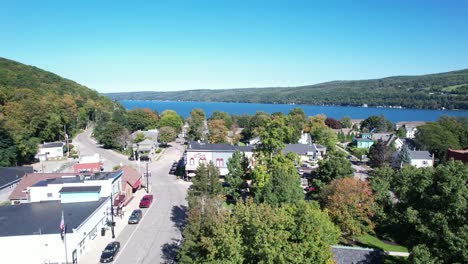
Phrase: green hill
pixel 434 91
pixel 35 105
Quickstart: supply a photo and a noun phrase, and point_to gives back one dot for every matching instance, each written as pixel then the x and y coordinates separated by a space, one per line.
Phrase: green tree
pixel 139 137
pixel 206 183
pixel 401 132
pixel 436 139
pixel 110 135
pixel 335 167
pixel 7 148
pixel 170 118
pixel 431 209
pixel 166 134
pixel 376 124
pixel 195 121
pixel 283 185
pixel 218 115
pixel 141 119
pixel 346 122
pixel 420 255
pixel 237 166
pixel 404 156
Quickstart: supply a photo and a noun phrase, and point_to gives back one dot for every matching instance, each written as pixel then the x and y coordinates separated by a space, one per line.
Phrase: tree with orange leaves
pixel 350 203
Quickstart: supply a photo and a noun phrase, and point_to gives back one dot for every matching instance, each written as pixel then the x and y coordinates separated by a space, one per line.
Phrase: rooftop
pixel 80 189
pixel 53 145
pixel 44 217
pixel 10 175
pixel 302 149
pixel 355 255
pixel 196 146
pixel 420 154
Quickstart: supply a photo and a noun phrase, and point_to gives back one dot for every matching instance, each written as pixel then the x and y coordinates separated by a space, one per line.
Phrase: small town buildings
pixel 461 155
pixel 30 232
pixel 410 127
pixel 421 158
pixel 312 152
pixel 51 151
pixel 131 182
pixel 203 153
pixel 9 178
pixel 363 142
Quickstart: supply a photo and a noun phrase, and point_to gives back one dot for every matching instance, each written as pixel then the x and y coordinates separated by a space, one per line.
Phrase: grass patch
pixel 373 242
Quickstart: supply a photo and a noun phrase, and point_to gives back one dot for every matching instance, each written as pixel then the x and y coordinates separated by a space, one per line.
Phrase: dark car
pixel 108 254
pixel 146 201
pixel 135 217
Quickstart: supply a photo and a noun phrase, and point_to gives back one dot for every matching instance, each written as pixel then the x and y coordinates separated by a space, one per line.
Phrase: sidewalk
pixel 95 247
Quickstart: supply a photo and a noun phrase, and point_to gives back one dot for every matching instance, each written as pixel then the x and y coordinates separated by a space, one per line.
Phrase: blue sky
pixel 118 46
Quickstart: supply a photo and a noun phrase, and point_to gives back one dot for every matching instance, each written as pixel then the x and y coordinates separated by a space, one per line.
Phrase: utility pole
pixel 147 178
pixel 112 215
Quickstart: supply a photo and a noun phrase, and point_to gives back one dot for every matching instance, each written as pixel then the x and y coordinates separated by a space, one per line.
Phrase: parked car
pixel 146 201
pixel 135 217
pixel 108 254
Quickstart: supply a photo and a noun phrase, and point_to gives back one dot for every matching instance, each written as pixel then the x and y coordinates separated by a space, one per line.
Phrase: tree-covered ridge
pixel 433 91
pixel 36 106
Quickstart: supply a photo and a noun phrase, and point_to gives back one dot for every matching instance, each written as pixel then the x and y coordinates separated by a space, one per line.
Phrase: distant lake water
pixel 392 114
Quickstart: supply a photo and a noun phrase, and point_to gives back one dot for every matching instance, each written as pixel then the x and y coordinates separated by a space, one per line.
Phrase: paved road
pixel 360 172
pixel 156 237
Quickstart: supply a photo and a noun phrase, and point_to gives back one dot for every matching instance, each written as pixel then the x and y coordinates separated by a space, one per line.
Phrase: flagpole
pixel 65 244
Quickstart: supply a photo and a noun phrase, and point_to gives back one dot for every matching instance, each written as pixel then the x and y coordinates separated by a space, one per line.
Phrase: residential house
pixel 30 232
pixel 148 146
pixel 312 152
pixel 203 153
pixel 305 139
pixel 410 127
pixel 9 178
pixel 363 142
pixel 421 158
pixel 51 151
pixel 461 155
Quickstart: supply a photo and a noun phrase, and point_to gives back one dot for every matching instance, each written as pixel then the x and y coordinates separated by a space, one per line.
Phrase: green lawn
pixel 374 242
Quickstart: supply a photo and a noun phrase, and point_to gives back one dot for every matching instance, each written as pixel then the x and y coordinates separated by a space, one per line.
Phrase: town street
pixel 155 238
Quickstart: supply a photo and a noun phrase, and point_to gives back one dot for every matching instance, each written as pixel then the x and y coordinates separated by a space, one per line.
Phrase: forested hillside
pixel 434 91
pixel 35 105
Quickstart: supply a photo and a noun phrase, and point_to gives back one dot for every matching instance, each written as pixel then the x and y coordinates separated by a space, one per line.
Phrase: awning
pixel 136 184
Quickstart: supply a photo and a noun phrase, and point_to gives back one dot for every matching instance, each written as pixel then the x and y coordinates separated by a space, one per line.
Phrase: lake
pixel 392 114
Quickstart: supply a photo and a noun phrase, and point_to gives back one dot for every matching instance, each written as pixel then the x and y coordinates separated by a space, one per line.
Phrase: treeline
pixel 37 106
pixel 433 91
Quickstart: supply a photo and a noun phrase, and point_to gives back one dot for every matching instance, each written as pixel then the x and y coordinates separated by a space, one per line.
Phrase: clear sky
pixel 119 46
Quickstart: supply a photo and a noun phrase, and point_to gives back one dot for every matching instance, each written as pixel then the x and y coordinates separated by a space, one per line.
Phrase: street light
pixel 147 178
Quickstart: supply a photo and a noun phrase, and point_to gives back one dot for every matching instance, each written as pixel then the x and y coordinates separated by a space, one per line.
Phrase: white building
pixel 68 187
pixel 421 159
pixel 202 153
pixel 30 232
pixel 410 127
pixel 52 150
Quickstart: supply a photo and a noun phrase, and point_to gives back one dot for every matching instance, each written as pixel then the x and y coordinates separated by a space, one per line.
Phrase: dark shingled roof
pixel 420 154
pixel 73 189
pixel 10 175
pixel 194 145
pixel 28 218
pixel 355 255
pixel 53 145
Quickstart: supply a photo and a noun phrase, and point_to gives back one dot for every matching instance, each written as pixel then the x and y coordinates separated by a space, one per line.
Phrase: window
pixel 50 195
pixel 220 162
pixel 425 162
pixel 192 161
pixel 201 161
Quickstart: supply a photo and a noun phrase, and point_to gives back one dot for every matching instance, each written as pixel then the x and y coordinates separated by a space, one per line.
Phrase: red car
pixel 146 201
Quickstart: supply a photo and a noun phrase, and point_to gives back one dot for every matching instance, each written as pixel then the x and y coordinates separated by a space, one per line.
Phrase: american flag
pixel 63 227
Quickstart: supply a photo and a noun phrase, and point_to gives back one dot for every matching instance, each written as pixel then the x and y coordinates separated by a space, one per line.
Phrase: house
pixel 421 158
pixel 356 255
pixel 203 153
pixel 9 178
pixel 30 233
pixel 51 151
pixel 305 139
pixel 363 142
pixel 410 127
pixel 461 155
pixel 312 152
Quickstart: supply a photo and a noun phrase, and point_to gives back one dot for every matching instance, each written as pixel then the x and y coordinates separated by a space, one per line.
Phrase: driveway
pixel 156 237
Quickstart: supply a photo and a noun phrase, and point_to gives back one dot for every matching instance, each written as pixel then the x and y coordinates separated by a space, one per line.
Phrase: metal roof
pixel 74 189
pixel 420 154
pixel 10 175
pixel 44 217
pixel 53 145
